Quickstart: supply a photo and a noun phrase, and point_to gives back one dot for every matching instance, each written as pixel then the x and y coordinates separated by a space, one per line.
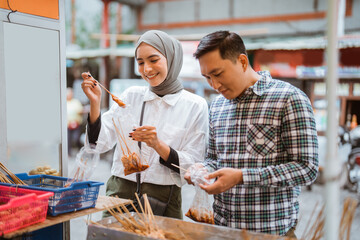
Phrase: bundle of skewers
pixel 78 176
pixel 143 223
pixel 316 232
pixel 130 159
pixel 14 179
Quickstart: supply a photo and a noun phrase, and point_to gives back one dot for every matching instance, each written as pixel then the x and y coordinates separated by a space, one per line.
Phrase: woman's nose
pixel 147 68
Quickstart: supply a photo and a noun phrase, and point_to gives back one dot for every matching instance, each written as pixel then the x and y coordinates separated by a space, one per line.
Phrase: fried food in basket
pixel 47 170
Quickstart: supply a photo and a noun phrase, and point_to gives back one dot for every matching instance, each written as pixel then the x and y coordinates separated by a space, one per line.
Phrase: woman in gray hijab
pixel 173 129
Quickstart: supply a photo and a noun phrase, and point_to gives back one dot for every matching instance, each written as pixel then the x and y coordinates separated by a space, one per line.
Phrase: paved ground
pixel 308 200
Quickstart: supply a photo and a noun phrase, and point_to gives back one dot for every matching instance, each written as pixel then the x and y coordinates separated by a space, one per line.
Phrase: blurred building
pixel 286 37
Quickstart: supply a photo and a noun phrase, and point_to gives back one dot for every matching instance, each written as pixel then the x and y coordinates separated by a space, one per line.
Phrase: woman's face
pixel 152 65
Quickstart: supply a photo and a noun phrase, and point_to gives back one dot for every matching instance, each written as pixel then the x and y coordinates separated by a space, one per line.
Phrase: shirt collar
pixel 258 88
pixel 263 83
pixel 170 99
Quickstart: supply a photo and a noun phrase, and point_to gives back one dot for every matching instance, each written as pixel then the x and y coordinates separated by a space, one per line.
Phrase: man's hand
pixel 226 179
pixel 195 168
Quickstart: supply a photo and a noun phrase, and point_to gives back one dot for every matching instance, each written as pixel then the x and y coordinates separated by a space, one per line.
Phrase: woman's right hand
pixel 91 89
pixel 93 92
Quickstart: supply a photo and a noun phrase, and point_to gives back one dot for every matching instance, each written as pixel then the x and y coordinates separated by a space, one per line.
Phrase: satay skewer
pixel 179 167
pixel 114 98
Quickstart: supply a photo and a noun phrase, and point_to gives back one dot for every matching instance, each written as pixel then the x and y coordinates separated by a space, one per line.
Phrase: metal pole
pixel 332 165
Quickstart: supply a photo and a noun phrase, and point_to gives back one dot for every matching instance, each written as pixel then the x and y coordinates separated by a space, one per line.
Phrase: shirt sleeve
pixel 173 159
pixel 93 130
pixel 195 142
pixel 299 138
pixel 211 157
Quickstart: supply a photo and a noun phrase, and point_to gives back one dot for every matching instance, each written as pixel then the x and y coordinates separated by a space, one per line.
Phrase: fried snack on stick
pixel 87 75
pixel 131 160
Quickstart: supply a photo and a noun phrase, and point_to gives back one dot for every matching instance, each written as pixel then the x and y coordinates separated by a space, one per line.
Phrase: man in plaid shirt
pixel 263 142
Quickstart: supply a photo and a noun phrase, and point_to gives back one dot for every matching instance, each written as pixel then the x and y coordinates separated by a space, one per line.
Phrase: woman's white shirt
pixel 181 121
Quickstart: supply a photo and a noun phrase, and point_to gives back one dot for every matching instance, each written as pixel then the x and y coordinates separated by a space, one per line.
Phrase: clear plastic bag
pixel 131 157
pixel 200 209
pixel 85 164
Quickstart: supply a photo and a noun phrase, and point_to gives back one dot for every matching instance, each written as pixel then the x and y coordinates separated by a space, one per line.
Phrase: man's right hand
pixel 197 171
pixel 226 178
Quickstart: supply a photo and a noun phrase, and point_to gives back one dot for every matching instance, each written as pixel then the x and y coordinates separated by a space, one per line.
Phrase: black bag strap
pixel 141 119
pixel 171 192
pixel 138 174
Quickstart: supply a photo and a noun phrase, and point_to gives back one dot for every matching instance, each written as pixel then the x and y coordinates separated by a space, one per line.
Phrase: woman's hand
pixel 92 91
pixel 148 135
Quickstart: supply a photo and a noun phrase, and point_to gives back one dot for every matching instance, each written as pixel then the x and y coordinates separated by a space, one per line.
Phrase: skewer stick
pixel 119 137
pixel 96 81
pixel 179 167
pixel 13 176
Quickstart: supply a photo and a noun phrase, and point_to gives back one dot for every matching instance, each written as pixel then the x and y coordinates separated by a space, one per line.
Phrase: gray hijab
pixel 172 51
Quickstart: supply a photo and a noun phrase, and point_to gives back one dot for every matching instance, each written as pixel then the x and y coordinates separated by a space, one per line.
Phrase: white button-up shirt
pixel 181 121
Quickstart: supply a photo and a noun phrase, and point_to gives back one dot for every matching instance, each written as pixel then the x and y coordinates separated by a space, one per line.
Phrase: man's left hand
pixel 226 179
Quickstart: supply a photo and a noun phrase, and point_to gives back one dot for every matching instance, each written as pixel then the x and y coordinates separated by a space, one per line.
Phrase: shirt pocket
pixel 261 139
pixel 172 135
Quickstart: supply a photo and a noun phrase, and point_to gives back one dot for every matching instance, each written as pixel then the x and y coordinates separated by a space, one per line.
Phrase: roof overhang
pixel 299 43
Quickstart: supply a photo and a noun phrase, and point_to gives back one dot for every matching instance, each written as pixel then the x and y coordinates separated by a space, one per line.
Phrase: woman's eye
pixel 140 63
pixel 154 61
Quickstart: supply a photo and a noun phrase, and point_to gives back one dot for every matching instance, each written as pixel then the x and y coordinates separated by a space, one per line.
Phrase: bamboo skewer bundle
pixel 14 178
pixel 131 160
pixel 316 232
pixel 76 177
pixel 4 179
pixel 143 224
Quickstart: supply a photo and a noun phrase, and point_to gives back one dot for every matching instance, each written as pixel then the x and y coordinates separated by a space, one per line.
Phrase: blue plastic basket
pixel 77 196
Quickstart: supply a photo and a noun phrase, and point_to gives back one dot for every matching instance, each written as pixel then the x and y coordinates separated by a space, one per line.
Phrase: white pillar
pixel 332 164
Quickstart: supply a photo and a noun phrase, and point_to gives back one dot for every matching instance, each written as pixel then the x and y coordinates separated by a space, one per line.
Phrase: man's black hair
pixel 230 45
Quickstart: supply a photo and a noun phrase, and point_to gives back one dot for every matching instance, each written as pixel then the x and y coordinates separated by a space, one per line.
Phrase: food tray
pixel 77 196
pixel 179 228
pixel 21 207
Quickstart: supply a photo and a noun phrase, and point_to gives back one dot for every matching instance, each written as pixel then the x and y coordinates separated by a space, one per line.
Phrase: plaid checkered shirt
pixel 269 133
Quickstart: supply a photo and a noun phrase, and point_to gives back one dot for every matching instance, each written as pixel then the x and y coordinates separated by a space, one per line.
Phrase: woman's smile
pixel 150 77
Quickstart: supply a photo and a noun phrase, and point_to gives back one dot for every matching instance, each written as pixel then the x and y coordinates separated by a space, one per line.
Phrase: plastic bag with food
pixel 85 164
pixel 200 209
pixel 131 157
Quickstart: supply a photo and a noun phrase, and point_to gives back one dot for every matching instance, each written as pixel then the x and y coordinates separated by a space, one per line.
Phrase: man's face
pixel 223 75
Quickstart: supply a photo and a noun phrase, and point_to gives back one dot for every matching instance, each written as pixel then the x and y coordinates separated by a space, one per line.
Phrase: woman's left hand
pixel 146 134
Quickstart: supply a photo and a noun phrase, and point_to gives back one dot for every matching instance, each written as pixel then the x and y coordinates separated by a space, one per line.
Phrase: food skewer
pixel 14 178
pixel 86 75
pixel 179 167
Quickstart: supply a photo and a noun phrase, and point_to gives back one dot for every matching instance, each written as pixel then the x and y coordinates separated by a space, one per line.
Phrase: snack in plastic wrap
pixel 200 209
pixel 85 164
pixel 131 155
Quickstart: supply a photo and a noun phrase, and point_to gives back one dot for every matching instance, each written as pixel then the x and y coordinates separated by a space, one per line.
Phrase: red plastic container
pixel 21 207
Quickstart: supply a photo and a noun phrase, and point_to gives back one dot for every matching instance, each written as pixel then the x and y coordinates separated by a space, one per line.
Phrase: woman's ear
pixel 244 61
